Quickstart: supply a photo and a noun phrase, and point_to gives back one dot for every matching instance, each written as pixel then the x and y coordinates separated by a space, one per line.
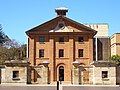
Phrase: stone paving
pixel 27 88
pixel 90 88
pixel 62 87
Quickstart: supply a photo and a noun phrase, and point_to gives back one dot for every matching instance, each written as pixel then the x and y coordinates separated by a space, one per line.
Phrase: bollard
pixel 57 85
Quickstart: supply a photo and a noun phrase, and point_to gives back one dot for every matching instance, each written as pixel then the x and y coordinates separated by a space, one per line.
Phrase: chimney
pixel 61 11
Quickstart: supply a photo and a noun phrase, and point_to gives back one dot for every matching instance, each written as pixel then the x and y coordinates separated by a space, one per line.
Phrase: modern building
pixel 115 50
pixel 63 50
pixel 102 29
pixel 115 44
pixel 101 42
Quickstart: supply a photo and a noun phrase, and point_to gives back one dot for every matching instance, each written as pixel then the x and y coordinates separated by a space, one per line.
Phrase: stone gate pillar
pixel 75 72
pixel 42 73
pixel 45 72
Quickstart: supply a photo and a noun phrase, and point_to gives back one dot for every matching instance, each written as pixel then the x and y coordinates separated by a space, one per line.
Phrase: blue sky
pixel 18 16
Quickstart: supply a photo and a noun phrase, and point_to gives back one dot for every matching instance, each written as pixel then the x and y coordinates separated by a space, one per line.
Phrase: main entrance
pixel 61 73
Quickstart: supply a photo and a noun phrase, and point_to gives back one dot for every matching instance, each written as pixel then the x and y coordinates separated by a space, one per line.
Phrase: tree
pixel 116 58
pixel 12 51
pixel 3 54
pixel 3 37
pixel 1 34
pixel 23 50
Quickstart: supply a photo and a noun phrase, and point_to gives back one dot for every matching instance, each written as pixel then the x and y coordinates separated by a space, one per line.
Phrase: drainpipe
pixel 96 49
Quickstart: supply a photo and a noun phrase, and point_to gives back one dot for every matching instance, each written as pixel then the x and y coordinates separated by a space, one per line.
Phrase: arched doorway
pixel 61 73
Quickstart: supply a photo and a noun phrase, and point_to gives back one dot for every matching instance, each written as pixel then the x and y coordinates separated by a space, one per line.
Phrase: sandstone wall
pixel 98 80
pixel 7 75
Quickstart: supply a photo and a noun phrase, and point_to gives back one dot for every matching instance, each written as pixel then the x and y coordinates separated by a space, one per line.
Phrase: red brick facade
pixel 51 46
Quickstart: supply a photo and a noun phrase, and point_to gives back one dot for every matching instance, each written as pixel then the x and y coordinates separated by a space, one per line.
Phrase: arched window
pixel 61 73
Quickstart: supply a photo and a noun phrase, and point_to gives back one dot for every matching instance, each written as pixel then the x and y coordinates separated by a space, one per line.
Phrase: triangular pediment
pixel 61 24
pixel 61 27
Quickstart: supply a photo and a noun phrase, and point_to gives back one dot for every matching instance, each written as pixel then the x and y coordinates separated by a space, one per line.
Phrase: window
pixel 80 53
pixel 61 73
pixel 61 39
pixel 97 26
pixel 104 74
pixel 41 53
pixel 61 25
pixel 41 39
pixel 80 39
pixel 15 74
pixel 61 53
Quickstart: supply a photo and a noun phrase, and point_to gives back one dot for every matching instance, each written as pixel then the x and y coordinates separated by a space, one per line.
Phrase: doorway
pixel 61 73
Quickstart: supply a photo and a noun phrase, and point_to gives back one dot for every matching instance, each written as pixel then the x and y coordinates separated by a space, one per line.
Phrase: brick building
pixel 62 50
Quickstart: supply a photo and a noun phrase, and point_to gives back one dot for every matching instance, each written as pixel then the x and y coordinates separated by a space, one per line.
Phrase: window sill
pixel 15 78
pixel 62 58
pixel 81 42
pixel 42 42
pixel 61 42
pixel 82 58
pixel 105 79
pixel 40 58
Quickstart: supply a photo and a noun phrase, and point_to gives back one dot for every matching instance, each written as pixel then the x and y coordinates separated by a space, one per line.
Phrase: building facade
pixel 102 29
pixel 115 44
pixel 60 42
pixel 67 51
pixel 63 50
pixel 115 50
pixel 102 49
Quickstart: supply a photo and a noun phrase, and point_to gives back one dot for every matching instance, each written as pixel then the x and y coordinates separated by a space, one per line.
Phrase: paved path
pixel 90 88
pixel 27 88
pixel 62 88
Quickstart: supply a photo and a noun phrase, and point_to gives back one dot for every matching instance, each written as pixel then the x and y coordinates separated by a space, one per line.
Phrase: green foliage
pixel 12 51
pixel 3 37
pixel 3 54
pixel 116 58
pixel 1 34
